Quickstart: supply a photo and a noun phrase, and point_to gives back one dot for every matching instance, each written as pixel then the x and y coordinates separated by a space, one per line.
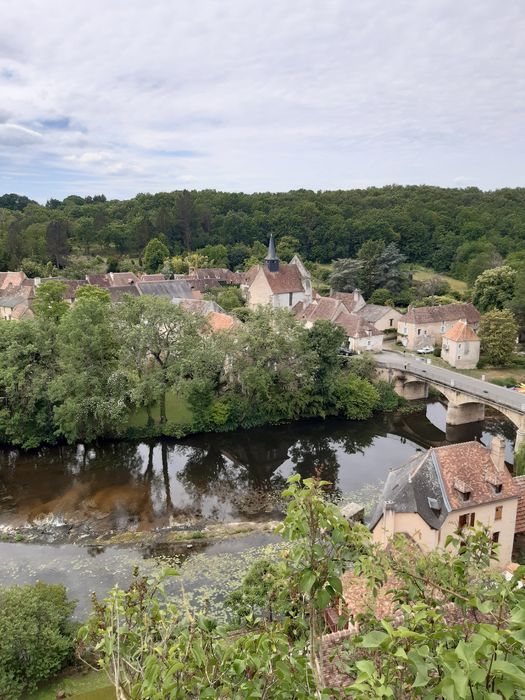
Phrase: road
pixel 476 387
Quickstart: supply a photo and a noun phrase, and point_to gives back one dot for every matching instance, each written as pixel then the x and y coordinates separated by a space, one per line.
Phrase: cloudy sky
pixel 127 96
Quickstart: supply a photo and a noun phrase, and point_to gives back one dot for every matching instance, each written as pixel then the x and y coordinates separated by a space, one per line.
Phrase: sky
pixel 128 96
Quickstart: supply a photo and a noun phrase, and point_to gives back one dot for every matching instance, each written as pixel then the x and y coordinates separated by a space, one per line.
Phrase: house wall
pixel 5 313
pixel 464 355
pixel 259 292
pixel 412 524
pixel 409 523
pixel 389 320
pixel 409 332
pixel 286 300
pixel 372 343
pixel 486 514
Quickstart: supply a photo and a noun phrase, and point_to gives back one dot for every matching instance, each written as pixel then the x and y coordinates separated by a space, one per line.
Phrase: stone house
pixel 276 284
pixel 460 346
pixel 381 317
pixel 14 308
pixel 426 325
pixel 362 336
pixel 445 489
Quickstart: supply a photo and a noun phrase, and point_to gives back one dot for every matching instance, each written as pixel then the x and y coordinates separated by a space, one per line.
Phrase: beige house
pixel 426 325
pixel 14 308
pixel 442 491
pixel 362 336
pixel 276 284
pixel 381 317
pixel 460 346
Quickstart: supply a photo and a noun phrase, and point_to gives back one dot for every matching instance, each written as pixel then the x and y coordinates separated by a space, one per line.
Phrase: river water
pixel 229 477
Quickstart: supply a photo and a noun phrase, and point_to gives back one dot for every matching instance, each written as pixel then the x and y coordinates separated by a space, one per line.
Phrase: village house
pixel 461 346
pixel 361 335
pixel 445 489
pixel 14 308
pixel 381 317
pixel 426 325
pixel 276 284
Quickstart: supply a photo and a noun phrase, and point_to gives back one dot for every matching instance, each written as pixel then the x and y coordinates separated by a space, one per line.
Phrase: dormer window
pixel 498 488
pixel 463 490
pixel 434 505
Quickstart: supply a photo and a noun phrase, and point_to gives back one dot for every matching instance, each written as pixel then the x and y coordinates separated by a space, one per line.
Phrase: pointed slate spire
pixel 272 261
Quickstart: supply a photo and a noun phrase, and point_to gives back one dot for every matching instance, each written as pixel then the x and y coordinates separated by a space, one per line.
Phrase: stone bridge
pixel 466 396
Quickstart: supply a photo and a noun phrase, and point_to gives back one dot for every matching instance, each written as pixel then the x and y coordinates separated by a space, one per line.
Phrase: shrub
pixel 388 399
pixel 437 351
pixel 362 366
pixel 390 331
pixel 519 461
pixel 505 381
pixel 356 398
pixel 36 636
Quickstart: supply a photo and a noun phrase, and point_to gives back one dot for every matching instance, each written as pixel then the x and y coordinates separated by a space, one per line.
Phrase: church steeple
pixel 271 260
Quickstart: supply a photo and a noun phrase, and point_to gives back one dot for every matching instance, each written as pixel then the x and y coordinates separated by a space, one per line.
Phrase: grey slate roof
pixel 373 312
pixel 172 289
pixel 11 301
pixel 415 488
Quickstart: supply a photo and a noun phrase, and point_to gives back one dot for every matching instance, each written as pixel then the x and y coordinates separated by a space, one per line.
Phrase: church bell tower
pixel 271 260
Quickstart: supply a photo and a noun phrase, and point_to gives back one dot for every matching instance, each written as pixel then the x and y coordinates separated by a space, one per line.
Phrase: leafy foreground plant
pixel 37 638
pixel 456 628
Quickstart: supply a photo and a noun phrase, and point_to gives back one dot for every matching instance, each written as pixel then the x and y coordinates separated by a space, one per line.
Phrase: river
pixel 62 496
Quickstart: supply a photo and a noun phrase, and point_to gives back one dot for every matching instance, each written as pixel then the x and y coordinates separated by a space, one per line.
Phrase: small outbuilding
pixel 461 346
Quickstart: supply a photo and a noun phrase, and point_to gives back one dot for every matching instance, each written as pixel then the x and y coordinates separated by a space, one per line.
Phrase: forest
pixel 459 231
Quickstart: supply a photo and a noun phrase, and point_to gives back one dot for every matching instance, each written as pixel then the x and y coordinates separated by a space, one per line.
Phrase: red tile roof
pixel 349 299
pixel 221 322
pixel 356 326
pixel 468 465
pixel 287 279
pixel 447 312
pixel 461 332
pixel 519 481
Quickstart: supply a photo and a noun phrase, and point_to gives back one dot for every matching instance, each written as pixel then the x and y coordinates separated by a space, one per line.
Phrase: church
pixel 277 284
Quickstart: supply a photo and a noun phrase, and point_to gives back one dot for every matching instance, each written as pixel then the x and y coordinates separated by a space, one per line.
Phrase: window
pixel 495 537
pixel 465 495
pixel 391 322
pixel 499 513
pixel 290 297
pixel 419 331
pixel 442 327
pixel 498 488
pixel 465 520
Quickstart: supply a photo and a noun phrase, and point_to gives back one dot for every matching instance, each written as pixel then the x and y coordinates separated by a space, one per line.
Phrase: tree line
pixel 78 373
pixel 463 231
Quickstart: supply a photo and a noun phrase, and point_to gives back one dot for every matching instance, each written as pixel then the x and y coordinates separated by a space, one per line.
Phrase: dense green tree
pixel 494 288
pixel 57 243
pixel 90 391
pixel 381 296
pixel 155 253
pixel 287 247
pixel 498 331
pixel 36 637
pixel 49 305
pixel 160 341
pixel 27 366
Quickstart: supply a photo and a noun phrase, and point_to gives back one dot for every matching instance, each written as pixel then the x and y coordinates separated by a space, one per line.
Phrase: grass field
pixel 177 411
pixel 89 686
pixel 423 274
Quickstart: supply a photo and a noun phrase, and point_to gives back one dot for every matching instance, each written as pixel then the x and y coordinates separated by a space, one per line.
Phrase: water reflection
pixel 224 477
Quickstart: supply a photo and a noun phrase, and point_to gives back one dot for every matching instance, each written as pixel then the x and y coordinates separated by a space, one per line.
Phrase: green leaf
pixel 460 680
pixel 307 580
pixel 509 671
pixel 374 639
pixel 336 584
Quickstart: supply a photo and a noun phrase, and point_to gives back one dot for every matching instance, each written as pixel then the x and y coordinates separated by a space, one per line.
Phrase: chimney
pixel 357 294
pixel 497 452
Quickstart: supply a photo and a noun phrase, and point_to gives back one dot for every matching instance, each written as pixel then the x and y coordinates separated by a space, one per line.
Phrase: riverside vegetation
pixel 456 628
pixel 81 372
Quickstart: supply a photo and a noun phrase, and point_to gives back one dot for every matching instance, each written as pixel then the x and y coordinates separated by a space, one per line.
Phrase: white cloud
pixel 269 95
pixel 15 135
